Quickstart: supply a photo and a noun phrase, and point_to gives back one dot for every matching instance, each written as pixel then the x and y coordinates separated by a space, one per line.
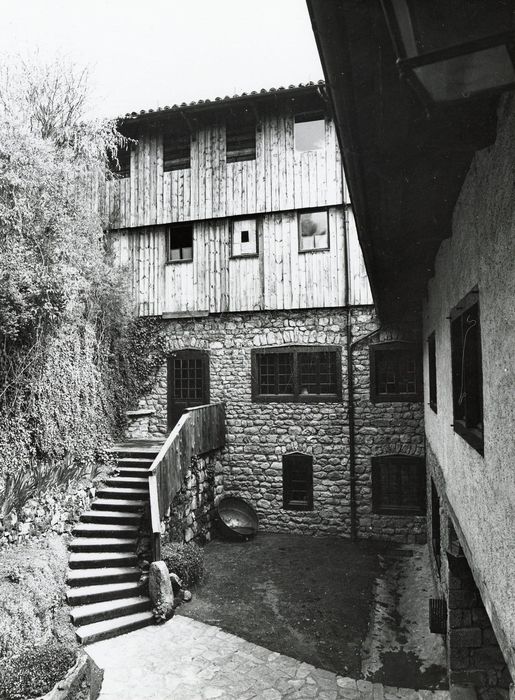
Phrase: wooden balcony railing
pixel 199 430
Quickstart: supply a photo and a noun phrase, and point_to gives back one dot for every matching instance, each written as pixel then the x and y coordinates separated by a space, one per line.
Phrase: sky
pixel 150 53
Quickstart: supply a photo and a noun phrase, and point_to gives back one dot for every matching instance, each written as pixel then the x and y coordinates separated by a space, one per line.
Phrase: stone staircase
pixel 104 591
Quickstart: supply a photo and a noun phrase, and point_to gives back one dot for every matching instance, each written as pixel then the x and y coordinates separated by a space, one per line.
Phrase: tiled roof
pixel 219 100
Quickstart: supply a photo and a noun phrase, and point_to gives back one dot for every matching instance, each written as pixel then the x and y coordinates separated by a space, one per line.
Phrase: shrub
pixel 185 560
pixel 35 671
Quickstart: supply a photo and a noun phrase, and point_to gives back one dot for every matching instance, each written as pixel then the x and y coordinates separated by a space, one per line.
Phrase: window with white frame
pixel 244 237
pixel 313 230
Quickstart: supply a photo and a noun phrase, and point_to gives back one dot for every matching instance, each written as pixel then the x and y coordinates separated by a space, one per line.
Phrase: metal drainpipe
pixel 350 345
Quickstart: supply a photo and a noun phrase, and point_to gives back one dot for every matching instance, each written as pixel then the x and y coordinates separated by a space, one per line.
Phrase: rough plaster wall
pixel 259 434
pixel 482 252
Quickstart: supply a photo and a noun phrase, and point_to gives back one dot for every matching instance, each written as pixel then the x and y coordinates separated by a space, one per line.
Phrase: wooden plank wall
pixel 280 178
pixel 278 278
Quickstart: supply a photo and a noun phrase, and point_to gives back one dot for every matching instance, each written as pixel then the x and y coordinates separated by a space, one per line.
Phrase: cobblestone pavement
pixel 188 660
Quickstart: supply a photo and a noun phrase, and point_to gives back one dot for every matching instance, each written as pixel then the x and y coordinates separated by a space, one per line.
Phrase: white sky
pixel 143 54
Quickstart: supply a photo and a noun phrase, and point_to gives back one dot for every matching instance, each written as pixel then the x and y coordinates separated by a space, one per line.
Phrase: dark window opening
pixel 435 526
pixel 176 151
pixel 395 372
pixel 467 374
pixel 121 165
pixel 296 374
pixel 398 485
pixel 244 237
pixel 188 382
pixel 313 230
pixel 297 481
pixel 431 359
pixel 180 243
pixel 240 139
pixel 309 132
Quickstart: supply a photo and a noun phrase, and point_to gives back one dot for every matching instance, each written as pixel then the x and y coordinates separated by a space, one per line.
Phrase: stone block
pixel 160 589
pixel 466 637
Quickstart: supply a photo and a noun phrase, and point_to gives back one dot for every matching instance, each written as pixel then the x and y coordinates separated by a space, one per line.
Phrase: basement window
pixel 296 374
pixel 313 230
pixel 431 361
pixel 240 139
pixel 309 132
pixel 176 151
pixel 467 374
pixel 395 372
pixel 297 481
pixel 244 238
pixel 121 165
pixel 180 243
pixel 398 485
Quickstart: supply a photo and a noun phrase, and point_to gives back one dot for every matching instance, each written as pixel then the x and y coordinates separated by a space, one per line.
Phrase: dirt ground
pixel 320 601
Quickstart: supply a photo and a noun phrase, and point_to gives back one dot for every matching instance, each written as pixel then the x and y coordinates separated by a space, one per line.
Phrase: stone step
pixel 137 472
pixel 109 609
pixel 124 493
pixel 110 516
pixel 102 544
pixel 87 560
pixel 135 461
pixel 112 628
pixel 112 574
pixel 120 504
pixel 130 482
pixel 105 530
pixel 97 593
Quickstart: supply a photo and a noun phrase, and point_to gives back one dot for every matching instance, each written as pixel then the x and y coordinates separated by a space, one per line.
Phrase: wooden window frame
pixel 296 396
pixel 386 461
pixel 431 372
pixel 467 386
pixel 232 222
pixel 176 227
pixel 241 128
pixel 179 163
pixel 394 346
pixel 290 462
pixel 299 229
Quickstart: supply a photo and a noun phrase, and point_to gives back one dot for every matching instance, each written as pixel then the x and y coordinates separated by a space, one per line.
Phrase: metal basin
pixel 236 518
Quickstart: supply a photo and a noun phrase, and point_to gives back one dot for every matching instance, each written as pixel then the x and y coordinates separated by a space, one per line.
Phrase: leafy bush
pixel 185 560
pixel 35 671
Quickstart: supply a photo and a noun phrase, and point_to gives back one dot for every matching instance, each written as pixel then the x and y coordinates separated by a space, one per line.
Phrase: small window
pixel 297 374
pixel 176 151
pixel 121 165
pixel 395 372
pixel 313 230
pixel 244 237
pixel 436 537
pixel 240 139
pixel 398 485
pixel 431 361
pixel 180 243
pixel 297 481
pixel 309 133
pixel 467 374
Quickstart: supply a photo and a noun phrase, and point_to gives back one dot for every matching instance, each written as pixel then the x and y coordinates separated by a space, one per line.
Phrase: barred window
pixel 395 372
pixel 296 374
pixel 398 485
pixel 297 481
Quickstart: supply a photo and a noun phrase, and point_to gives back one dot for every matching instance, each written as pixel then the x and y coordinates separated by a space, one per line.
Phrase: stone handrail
pixel 199 430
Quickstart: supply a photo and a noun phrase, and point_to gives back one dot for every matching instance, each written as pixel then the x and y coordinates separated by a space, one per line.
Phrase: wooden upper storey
pixel 294 162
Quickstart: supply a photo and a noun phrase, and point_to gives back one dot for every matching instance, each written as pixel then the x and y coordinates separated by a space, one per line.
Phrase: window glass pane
pixel 244 237
pixel 275 373
pixel 180 243
pixel 310 135
pixel 314 232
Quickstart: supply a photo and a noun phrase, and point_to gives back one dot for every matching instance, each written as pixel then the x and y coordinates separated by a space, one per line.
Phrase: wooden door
pixel 188 382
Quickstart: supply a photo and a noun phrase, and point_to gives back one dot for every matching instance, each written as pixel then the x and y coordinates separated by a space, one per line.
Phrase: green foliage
pixel 35 671
pixel 64 306
pixel 185 560
pixel 32 592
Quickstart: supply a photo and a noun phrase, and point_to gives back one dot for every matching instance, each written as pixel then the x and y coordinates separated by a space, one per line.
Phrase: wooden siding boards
pixel 279 277
pixel 278 179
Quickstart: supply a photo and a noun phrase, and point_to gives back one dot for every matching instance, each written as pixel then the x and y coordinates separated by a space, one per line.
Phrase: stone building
pixel 234 221
pixel 430 166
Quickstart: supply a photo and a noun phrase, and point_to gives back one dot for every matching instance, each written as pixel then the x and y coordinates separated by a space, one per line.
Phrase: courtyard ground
pixel 356 609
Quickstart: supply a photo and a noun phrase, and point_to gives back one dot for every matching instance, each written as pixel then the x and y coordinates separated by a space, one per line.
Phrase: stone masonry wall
pixel 259 434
